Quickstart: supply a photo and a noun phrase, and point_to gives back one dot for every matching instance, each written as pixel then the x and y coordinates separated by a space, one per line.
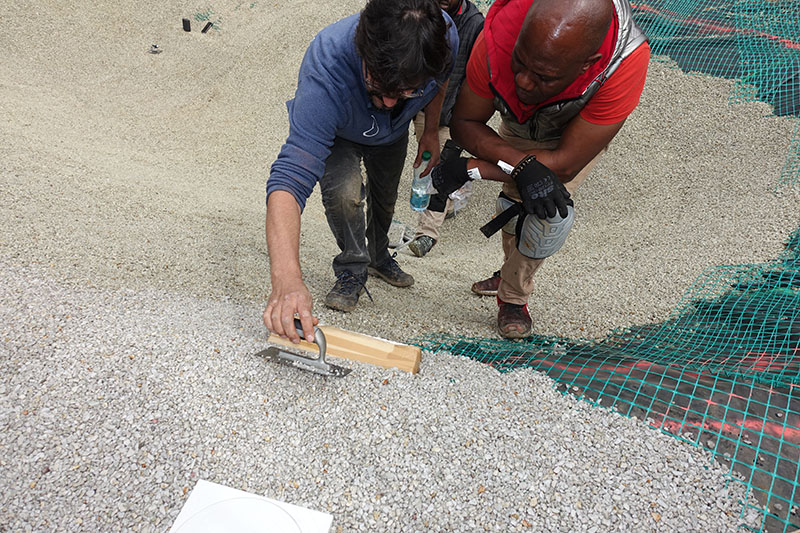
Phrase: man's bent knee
pixel 537 238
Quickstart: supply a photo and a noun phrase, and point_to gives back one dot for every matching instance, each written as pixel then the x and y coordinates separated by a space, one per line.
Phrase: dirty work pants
pixel 517 272
pixel 362 241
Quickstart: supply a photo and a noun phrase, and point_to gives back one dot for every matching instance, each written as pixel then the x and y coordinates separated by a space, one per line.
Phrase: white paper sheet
pixel 213 508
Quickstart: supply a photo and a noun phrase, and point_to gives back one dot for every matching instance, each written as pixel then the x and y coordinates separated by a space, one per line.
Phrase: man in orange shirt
pixel 564 75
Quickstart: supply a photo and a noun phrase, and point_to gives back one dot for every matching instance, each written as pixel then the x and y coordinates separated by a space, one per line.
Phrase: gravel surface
pixel 134 270
pixel 116 402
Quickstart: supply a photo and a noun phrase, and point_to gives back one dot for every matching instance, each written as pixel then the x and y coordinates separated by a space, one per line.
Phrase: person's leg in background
pixel 431 219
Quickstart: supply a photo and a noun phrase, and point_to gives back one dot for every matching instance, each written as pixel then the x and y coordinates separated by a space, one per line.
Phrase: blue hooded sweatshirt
pixel 331 101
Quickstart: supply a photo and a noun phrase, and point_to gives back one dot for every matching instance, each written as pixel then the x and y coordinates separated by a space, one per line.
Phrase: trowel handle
pixel 319 337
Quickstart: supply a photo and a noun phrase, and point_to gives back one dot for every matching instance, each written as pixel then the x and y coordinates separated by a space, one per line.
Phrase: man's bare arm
pixel 580 142
pixel 289 294
pixel 429 141
pixel 469 130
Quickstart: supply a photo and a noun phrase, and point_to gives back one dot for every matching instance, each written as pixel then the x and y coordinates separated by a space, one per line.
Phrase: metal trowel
pixel 318 365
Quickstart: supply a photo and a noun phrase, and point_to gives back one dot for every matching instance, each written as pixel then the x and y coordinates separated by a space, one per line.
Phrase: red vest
pixel 502 27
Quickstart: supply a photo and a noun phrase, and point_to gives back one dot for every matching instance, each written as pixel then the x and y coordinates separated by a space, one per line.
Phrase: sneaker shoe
pixel 390 272
pixel 421 245
pixel 513 321
pixel 450 214
pixel 487 287
pixel 345 292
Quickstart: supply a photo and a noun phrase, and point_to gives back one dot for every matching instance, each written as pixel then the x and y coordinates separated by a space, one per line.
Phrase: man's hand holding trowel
pixel 289 296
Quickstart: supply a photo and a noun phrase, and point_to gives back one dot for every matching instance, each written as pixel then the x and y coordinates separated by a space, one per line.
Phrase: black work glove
pixel 450 150
pixel 541 191
pixel 449 176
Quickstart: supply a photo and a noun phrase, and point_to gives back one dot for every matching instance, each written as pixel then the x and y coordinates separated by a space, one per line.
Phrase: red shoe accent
pixel 489 286
pixel 513 321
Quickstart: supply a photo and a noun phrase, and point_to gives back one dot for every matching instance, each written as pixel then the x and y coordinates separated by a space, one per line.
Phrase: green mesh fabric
pixel 723 371
pixel 735 320
pixel 756 43
pixel 750 427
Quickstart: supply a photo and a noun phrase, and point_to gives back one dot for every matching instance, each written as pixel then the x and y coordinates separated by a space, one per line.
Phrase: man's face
pixel 542 70
pixel 451 6
pixel 384 100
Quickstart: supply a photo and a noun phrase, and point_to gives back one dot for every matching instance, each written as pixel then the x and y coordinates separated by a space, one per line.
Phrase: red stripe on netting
pixel 780 431
pixel 733 427
pixel 708 25
pixel 765 362
pixel 583 369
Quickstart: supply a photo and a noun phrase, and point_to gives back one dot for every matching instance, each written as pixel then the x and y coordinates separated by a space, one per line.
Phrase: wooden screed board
pixel 363 348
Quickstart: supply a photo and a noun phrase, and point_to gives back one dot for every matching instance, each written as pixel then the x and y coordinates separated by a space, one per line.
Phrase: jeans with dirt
pixel 362 241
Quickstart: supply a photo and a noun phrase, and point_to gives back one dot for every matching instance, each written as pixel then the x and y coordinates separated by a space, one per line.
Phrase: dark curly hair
pixel 403 43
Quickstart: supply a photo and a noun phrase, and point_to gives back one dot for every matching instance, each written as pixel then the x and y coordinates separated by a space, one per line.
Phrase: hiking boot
pixel 390 272
pixel 345 292
pixel 421 245
pixel 487 287
pixel 513 321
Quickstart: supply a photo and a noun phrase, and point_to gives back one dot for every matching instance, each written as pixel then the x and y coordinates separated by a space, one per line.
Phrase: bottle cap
pixel 426 155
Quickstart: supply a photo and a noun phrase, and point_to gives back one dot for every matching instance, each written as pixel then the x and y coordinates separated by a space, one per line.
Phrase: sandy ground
pixel 123 168
pixel 126 170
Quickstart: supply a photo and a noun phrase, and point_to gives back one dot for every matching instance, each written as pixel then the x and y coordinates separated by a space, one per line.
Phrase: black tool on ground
pixel 207 27
pixel 318 365
pixel 187 25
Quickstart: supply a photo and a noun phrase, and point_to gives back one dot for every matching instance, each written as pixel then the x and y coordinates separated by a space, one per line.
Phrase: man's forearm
pixel 433 110
pixel 484 143
pixel 283 236
pixel 488 170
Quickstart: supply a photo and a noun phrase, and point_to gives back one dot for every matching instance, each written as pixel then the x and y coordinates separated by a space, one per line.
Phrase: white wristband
pixel 474 174
pixel 505 167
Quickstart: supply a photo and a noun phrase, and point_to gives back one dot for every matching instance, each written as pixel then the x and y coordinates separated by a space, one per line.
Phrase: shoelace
pixel 349 281
pixel 393 266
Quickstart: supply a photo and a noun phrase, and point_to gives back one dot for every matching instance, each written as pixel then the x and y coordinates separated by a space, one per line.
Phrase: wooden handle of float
pixel 363 348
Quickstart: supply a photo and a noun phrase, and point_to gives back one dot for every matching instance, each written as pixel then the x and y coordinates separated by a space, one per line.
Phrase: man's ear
pixel 591 60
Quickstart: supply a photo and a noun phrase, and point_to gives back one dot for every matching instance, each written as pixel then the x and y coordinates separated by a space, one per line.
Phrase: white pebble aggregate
pixel 115 403
pixel 134 272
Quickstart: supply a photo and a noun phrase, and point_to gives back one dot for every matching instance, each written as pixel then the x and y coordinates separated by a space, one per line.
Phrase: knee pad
pixel 537 238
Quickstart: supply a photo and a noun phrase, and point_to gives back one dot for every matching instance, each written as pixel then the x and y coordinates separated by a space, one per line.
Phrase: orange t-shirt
pixel 612 102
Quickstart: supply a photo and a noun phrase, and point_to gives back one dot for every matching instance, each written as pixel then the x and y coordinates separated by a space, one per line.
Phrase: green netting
pixel 756 43
pixel 750 427
pixel 770 48
pixel 723 371
pixel 739 320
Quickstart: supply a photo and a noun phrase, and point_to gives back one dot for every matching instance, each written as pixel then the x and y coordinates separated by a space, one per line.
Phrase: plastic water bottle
pixel 420 187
